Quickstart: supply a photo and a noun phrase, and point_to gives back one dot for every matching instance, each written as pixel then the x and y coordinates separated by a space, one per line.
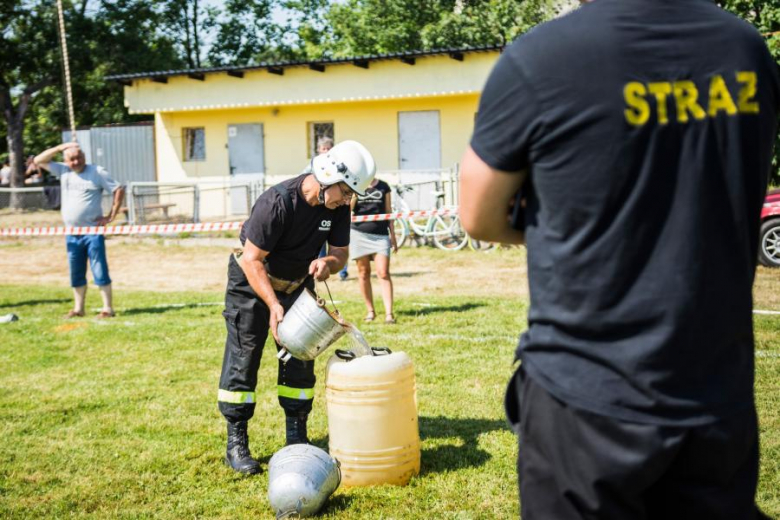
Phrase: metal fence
pixel 228 199
pixel 190 201
pixel 24 198
pixel 425 185
pixel 39 199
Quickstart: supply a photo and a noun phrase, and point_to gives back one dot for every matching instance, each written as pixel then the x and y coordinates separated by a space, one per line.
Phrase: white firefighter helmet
pixel 348 162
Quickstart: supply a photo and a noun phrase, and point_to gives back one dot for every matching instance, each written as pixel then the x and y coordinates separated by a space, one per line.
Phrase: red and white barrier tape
pixel 410 214
pixel 121 230
pixel 153 229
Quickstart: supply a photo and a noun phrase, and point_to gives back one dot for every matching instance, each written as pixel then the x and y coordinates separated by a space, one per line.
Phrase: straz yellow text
pixel 686 99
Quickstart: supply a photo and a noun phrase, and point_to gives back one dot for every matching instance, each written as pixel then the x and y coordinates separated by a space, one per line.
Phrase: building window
pixel 315 132
pixel 194 144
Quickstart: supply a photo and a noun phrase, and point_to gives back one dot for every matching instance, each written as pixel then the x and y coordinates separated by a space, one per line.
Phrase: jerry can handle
pixel 380 351
pixel 346 355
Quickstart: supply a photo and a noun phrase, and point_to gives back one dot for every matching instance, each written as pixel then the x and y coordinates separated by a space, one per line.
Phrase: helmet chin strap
pixel 321 194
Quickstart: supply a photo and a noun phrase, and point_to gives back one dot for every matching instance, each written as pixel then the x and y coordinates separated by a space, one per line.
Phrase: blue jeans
pixel 81 247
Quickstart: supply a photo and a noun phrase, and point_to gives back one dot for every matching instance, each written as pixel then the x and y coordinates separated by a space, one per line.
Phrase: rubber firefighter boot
pixel 237 455
pixel 296 428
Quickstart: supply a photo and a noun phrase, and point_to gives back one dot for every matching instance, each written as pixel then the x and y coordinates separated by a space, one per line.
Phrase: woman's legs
pixel 364 282
pixel 383 273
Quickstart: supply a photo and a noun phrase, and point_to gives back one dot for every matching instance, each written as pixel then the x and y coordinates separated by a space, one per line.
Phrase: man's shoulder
pixel 606 27
pixel 285 188
pixel 271 201
pixel 342 213
pixel 96 169
pixel 380 186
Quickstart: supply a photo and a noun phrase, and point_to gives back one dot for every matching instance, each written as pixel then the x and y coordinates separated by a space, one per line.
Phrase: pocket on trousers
pixel 512 400
pixel 233 331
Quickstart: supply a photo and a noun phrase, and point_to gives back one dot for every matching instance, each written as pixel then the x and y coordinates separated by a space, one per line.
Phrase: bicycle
pixel 443 230
pixel 481 245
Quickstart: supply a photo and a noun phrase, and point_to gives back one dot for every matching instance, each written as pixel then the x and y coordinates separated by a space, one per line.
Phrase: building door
pixel 419 151
pixel 247 164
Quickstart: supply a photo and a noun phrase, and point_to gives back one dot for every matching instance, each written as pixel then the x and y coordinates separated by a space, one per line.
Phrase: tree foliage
pixel 116 36
pixel 102 38
pixel 765 16
pixel 246 34
pixel 28 67
pixel 187 23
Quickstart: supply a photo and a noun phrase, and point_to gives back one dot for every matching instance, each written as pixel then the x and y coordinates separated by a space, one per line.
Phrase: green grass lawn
pixel 118 418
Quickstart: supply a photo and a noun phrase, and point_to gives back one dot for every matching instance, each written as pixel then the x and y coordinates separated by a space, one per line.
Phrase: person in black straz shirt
pixel 641 132
pixel 288 225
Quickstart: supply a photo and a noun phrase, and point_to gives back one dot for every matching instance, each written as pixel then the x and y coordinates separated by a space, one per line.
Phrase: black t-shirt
pixel 373 203
pixel 647 128
pixel 291 251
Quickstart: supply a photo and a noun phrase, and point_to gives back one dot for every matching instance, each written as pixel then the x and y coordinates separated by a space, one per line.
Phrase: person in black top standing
pixel 641 133
pixel 282 238
pixel 374 241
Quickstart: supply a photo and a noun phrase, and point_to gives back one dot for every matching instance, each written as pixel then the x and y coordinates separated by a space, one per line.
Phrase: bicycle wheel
pixel 481 245
pixel 448 234
pixel 401 232
pixel 414 226
pixel 418 225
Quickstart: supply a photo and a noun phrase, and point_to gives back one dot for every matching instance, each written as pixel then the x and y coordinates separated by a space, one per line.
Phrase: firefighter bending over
pixel 287 228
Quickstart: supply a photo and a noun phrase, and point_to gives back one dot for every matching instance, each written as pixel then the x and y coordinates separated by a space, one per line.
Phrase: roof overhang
pixel 432 75
pixel 320 65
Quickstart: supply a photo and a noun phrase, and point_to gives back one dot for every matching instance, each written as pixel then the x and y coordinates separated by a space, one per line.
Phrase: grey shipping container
pixel 127 152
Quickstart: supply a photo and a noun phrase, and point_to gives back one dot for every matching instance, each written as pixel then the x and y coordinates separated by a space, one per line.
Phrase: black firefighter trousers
pixel 246 317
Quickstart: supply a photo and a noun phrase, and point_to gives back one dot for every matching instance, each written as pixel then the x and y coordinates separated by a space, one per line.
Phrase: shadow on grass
pixel 463 307
pixel 34 302
pixel 403 274
pixel 450 457
pixel 159 309
pixel 335 504
pixel 407 274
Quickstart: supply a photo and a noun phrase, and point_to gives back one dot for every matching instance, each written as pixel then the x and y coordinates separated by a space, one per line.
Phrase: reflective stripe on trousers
pixel 295 393
pixel 246 319
pixel 225 396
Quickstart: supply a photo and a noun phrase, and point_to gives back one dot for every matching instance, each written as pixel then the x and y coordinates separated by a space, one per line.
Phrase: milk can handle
pixel 380 351
pixel 346 355
pixel 293 513
pixel 331 297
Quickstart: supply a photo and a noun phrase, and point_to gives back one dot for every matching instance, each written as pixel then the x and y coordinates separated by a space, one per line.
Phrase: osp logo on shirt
pixel 325 225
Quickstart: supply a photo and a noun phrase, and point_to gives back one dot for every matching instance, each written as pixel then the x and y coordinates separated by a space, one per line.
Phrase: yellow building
pixel 413 111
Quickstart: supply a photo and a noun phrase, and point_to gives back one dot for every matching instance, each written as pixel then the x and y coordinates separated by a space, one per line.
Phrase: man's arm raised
pixel 44 158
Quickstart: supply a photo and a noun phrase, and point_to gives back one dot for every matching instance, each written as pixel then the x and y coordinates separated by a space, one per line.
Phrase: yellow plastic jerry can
pixel 372 417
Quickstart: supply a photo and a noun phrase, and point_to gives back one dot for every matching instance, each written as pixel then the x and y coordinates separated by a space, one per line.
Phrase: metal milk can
pixel 307 329
pixel 300 478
